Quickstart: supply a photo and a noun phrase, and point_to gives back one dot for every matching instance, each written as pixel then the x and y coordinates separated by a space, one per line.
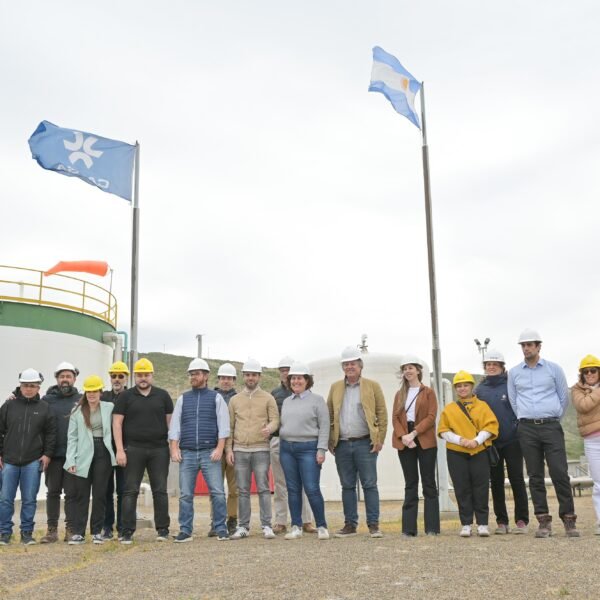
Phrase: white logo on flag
pixel 85 144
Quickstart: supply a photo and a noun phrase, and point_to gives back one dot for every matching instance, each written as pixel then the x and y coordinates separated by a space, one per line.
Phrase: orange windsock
pixel 95 267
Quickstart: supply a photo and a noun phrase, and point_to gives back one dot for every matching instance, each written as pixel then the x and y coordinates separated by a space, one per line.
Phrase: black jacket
pixel 27 430
pixel 61 407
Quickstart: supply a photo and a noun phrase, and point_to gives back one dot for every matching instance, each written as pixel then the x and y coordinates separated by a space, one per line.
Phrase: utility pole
pixel 199 338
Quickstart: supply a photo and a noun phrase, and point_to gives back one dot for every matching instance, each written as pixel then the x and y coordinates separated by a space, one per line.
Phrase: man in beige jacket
pixel 358 418
pixel 253 418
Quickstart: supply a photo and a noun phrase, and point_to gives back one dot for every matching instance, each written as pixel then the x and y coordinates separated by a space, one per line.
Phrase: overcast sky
pixel 282 204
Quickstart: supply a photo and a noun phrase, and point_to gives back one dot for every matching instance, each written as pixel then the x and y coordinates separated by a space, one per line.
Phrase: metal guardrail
pixel 29 286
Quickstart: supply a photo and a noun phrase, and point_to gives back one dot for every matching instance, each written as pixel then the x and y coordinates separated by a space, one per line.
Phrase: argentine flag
pixel 391 79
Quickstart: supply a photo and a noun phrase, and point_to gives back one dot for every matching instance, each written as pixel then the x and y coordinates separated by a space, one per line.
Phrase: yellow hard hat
pixel 119 367
pixel 143 366
pixel 93 383
pixel 589 361
pixel 463 377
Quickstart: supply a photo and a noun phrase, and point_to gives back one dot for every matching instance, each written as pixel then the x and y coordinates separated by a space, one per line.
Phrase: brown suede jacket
pixel 425 413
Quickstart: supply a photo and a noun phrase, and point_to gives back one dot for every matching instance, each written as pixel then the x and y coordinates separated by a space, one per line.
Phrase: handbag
pixel 491 450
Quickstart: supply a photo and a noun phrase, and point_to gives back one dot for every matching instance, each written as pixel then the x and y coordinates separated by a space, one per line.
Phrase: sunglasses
pixel 117 376
pixel 589 371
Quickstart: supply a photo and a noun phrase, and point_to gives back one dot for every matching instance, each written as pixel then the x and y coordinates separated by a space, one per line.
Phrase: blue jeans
pixel 301 470
pixel 27 479
pixel 193 462
pixel 355 459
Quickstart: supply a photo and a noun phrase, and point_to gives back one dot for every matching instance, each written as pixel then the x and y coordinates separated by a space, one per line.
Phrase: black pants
pixel 513 457
pixel 471 480
pixel 115 482
pixel 412 461
pixel 57 481
pixel 546 442
pixel 156 460
pixel 96 482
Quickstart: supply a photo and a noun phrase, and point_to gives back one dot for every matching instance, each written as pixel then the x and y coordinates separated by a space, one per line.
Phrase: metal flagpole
pixel 133 349
pixel 445 502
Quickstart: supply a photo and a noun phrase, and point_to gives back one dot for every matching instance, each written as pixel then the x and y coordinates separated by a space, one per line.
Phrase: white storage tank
pixel 382 368
pixel 46 320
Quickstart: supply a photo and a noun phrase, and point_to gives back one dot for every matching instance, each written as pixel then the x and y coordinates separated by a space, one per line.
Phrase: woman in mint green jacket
pixel 90 458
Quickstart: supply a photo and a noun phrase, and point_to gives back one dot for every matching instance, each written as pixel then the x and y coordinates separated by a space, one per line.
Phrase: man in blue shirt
pixel 539 395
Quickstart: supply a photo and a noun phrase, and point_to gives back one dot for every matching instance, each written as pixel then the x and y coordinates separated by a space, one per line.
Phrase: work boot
pixel 231 525
pixel 50 537
pixel 348 530
pixel 544 529
pixel 569 523
pixel 69 533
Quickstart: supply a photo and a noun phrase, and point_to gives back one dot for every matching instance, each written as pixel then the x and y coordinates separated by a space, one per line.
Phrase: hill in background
pixel 171 374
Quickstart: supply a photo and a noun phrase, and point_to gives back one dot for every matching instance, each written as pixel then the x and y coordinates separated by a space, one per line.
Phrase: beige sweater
pixel 586 401
pixel 249 412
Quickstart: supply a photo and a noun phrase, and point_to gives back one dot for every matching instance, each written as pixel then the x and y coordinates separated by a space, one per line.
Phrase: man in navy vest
pixel 199 428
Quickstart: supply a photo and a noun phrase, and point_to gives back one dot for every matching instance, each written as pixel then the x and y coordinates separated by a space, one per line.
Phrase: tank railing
pixel 86 297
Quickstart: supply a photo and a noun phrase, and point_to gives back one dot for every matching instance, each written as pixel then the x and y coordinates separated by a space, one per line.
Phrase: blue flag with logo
pixel 107 164
pixel 391 79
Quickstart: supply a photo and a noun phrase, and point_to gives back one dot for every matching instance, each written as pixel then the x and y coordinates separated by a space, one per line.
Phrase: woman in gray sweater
pixel 304 434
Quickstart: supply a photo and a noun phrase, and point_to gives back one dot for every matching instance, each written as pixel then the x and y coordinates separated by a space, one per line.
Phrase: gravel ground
pixel 359 567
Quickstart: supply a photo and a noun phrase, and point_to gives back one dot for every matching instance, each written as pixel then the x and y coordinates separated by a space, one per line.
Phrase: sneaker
pixel 280 529
pixel 520 528
pixel 5 539
pixel 98 538
pixel 322 533
pixel 162 535
pixel 211 532
pixel 126 537
pixel 268 533
pixel 107 535
pixel 433 533
pixel 465 531
pixel 182 538
pixel 119 535
pixel 309 528
pixel 295 533
pixel 76 540
pixel 374 530
pixel 27 538
pixel 348 530
pixel 240 532
pixel 501 529
pixel 483 531
pixel 224 536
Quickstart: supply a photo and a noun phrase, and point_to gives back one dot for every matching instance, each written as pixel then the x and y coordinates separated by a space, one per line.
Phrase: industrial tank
pixel 384 369
pixel 46 320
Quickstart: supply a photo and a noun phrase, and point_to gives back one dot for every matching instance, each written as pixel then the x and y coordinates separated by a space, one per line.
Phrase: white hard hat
pixel 66 366
pixel 286 361
pixel 199 364
pixel 226 370
pixel 411 359
pixel 529 335
pixel 30 376
pixel 251 366
pixel 493 355
pixel 299 368
pixel 350 353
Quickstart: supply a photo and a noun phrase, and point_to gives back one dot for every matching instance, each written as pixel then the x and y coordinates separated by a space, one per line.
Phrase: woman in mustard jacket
pixel 586 400
pixel 90 458
pixel 469 426
pixel 413 420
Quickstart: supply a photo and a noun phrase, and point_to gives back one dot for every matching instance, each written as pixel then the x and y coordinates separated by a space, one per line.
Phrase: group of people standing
pixel 99 442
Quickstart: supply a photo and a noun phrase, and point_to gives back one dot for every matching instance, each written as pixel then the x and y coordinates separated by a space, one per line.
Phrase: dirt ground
pixel 360 567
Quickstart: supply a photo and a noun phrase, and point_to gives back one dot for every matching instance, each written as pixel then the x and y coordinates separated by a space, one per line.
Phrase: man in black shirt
pixel 141 420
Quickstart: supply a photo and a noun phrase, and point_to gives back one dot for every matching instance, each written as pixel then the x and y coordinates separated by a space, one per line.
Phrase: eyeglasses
pixel 589 371
pixel 117 376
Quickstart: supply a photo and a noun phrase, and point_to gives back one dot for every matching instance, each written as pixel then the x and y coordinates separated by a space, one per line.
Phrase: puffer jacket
pixel 61 407
pixel 586 401
pixel 493 390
